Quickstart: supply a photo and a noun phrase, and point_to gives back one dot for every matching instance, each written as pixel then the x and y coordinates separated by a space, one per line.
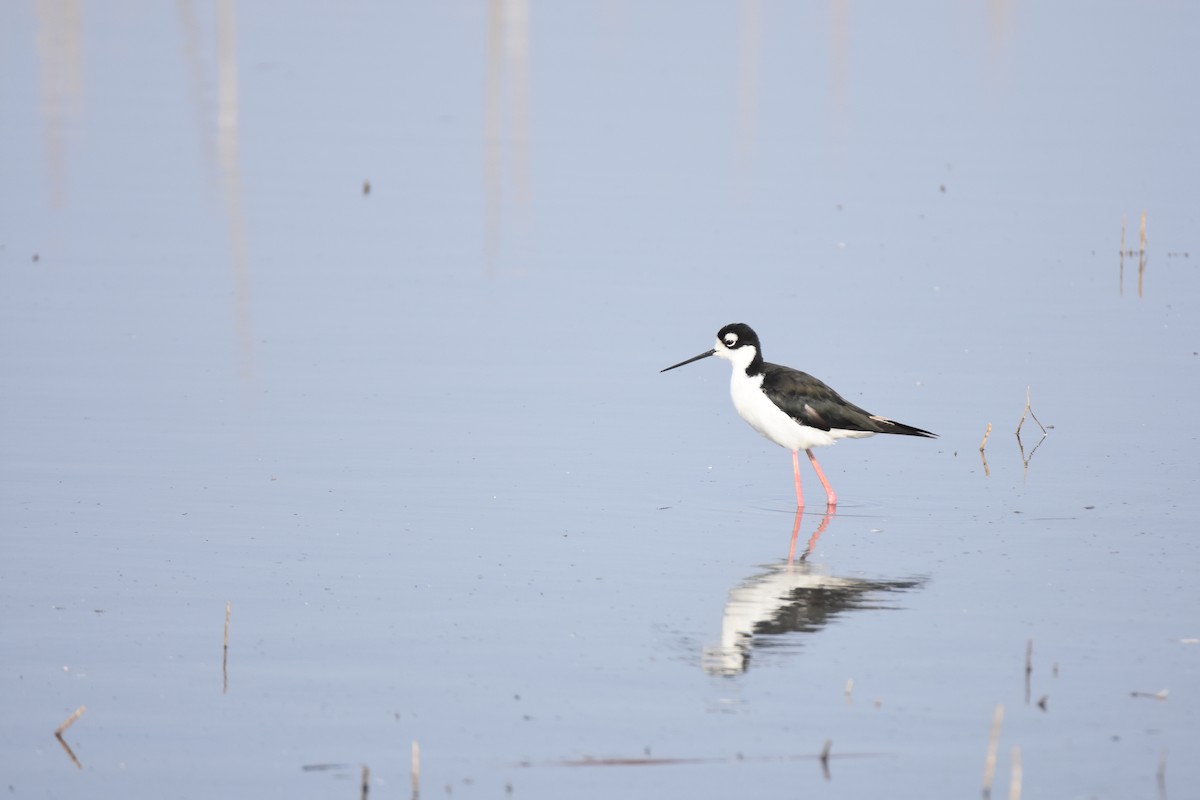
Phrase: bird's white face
pixel 733 350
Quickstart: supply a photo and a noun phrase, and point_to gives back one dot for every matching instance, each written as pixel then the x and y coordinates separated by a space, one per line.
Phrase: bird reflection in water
pixel 795 597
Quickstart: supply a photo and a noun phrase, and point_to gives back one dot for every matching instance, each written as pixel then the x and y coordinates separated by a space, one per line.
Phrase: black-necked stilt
pixel 792 408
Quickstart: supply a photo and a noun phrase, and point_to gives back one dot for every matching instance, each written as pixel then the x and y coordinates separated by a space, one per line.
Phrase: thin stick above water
pixel 69 721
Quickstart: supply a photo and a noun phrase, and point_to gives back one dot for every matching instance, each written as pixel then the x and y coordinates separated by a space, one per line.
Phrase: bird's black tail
pixel 909 431
pixel 891 426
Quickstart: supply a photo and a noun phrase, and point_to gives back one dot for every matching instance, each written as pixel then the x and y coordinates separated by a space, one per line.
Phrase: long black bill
pixel 690 360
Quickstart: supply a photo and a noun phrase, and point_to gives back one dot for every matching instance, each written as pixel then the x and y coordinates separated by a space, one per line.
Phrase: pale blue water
pixel 418 439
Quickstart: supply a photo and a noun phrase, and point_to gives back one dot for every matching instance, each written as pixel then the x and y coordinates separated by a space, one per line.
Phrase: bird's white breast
pixel 756 408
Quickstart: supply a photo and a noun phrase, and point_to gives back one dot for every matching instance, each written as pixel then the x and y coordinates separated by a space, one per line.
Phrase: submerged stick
pixel 366 781
pixel 825 758
pixel 1025 459
pixel 69 721
pixel 989 764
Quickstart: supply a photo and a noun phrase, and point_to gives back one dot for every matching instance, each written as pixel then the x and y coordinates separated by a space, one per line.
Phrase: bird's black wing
pixel 810 402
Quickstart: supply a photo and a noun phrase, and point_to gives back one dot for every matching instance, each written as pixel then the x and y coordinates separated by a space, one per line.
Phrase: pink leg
pixel 796 470
pixel 830 495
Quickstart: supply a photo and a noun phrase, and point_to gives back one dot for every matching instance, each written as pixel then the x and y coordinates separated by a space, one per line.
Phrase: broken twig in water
pixel 1029 410
pixel 366 781
pixel 1161 694
pixel 58 734
pixel 989 763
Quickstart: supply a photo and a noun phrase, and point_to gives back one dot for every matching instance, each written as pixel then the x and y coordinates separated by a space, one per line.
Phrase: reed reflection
pixel 507 123
pixel 61 76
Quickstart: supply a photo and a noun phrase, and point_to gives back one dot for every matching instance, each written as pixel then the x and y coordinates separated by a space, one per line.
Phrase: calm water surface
pixel 355 324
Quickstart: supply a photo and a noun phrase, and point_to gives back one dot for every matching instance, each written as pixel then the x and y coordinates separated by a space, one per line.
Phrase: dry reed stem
pixel 989 764
pixel 366 781
pixel 986 434
pixel 69 721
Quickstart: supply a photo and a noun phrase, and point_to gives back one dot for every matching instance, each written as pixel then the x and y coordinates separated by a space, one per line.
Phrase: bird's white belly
pixel 766 417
